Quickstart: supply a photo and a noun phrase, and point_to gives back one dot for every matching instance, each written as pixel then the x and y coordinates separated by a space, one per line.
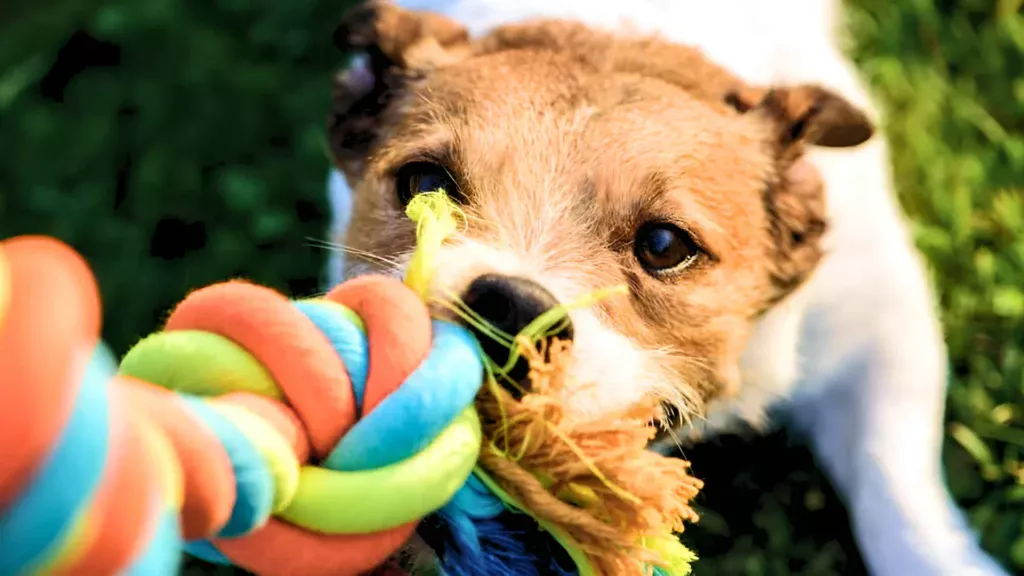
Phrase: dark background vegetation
pixel 180 142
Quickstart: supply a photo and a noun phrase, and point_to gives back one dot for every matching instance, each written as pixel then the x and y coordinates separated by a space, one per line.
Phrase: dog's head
pixel 584 161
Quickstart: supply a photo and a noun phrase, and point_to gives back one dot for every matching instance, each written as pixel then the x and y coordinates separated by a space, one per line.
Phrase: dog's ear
pixel 391 47
pixel 806 114
pixel 794 197
pixel 795 194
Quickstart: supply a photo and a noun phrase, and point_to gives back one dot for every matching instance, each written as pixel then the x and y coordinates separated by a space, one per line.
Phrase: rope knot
pixel 290 437
pixel 364 418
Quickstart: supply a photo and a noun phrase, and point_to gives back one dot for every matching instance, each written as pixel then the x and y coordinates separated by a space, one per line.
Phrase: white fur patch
pixel 612 372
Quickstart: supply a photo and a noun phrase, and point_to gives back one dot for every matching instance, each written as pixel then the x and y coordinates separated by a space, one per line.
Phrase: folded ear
pixel 807 113
pixel 391 47
pixel 795 197
pixel 405 38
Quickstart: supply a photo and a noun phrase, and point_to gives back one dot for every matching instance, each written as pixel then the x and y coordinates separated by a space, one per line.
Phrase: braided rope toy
pixel 303 437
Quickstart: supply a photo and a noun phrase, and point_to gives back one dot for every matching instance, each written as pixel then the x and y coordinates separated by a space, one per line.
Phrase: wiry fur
pixel 613 141
pixel 837 327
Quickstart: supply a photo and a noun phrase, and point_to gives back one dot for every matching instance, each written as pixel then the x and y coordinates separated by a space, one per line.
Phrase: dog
pixel 716 158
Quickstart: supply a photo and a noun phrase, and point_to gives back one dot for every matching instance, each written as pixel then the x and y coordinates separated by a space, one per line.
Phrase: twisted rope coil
pixel 274 435
pixel 217 420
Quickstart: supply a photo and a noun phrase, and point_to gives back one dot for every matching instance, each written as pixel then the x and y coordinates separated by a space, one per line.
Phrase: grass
pixel 953 87
pixel 177 142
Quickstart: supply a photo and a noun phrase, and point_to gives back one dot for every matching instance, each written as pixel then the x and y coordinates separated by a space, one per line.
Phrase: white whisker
pixel 364 255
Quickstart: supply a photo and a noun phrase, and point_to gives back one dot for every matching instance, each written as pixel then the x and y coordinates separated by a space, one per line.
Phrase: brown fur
pixel 565 140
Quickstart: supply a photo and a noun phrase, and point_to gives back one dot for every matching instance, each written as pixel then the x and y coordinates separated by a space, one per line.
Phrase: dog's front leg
pixel 877 429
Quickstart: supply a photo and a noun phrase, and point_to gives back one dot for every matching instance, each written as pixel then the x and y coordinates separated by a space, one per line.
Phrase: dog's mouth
pixel 512 369
pixel 670 420
pixel 506 314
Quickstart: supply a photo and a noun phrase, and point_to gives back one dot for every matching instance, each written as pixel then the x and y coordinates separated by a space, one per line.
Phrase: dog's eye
pixel 419 177
pixel 662 247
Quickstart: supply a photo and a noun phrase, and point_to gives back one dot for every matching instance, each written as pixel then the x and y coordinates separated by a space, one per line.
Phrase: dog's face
pixel 584 162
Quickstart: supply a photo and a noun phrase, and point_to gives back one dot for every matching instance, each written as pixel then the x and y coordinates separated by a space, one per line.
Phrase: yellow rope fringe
pixel 594 479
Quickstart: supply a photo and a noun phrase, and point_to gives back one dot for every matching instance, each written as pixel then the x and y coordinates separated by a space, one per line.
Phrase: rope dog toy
pixel 305 437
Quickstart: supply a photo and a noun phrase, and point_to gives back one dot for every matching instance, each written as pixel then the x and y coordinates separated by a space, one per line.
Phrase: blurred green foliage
pixel 177 143
pixel 173 143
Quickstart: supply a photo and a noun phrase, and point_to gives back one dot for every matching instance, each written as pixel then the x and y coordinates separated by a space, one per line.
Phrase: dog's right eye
pixel 420 177
pixel 662 248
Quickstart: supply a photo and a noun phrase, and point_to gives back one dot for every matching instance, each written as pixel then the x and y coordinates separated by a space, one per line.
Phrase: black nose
pixel 510 304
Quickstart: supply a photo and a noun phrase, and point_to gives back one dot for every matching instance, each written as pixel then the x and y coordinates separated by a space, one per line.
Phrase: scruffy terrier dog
pixel 745 206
